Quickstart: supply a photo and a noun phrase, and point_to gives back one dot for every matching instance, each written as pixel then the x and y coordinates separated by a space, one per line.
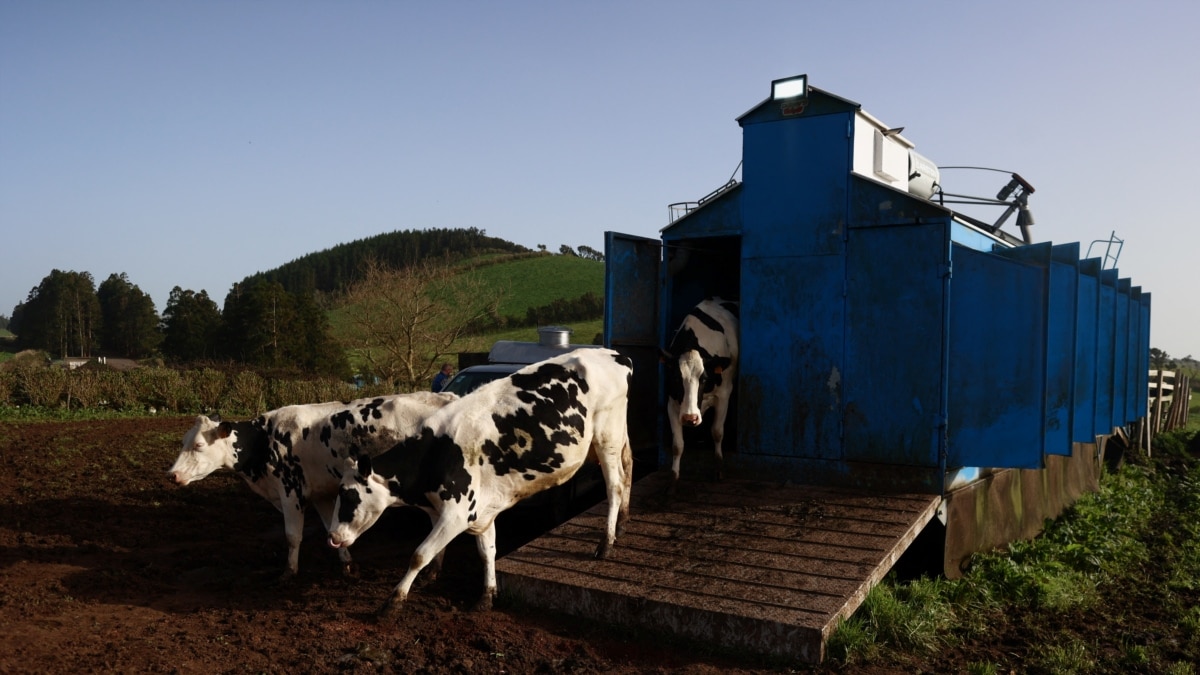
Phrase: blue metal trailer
pixel 909 376
pixel 889 342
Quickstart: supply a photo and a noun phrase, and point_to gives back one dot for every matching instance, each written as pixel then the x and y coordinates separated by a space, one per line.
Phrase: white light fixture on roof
pixel 789 87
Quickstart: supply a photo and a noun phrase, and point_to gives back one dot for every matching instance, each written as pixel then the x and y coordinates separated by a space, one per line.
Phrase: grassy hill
pixel 539 280
pixel 528 281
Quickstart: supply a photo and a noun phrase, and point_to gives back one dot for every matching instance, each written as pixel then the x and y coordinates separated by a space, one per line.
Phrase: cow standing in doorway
pixel 701 363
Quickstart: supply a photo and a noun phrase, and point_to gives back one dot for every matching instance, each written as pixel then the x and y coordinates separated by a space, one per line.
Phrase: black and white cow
pixel 483 453
pixel 701 363
pixel 293 456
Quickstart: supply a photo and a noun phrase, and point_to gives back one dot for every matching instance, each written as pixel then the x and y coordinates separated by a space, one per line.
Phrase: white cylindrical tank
pixel 923 175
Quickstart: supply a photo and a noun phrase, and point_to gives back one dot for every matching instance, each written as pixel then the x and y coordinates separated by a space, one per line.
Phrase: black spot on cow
pixel 423 464
pixel 370 410
pixel 709 322
pixel 528 439
pixel 304 434
pixel 342 420
pixel 252 446
pixel 348 505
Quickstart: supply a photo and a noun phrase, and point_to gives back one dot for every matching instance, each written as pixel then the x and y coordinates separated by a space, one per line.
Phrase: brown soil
pixel 106 567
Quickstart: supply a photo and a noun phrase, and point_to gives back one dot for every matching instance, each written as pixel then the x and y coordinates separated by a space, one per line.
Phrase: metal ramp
pixel 744 564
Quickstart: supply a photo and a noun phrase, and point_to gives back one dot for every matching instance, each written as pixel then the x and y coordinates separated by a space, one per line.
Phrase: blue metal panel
pixel 720 216
pixel 789 381
pixel 1060 350
pixel 1084 427
pixel 795 192
pixel 631 284
pixel 997 375
pixel 1106 345
pixel 1144 355
pixel 895 395
pixel 1059 344
pixel 1121 372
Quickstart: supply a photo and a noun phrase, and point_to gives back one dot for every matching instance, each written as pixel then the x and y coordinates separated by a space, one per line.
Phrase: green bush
pixel 43 387
pixel 8 387
pixel 85 388
pixel 247 394
pixel 206 386
pixel 121 392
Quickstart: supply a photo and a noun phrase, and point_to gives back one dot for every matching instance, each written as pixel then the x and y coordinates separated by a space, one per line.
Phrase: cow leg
pixel 435 567
pixel 324 509
pixel 293 529
pixel 486 542
pixel 676 443
pixel 718 433
pixel 627 464
pixel 445 529
pixel 616 461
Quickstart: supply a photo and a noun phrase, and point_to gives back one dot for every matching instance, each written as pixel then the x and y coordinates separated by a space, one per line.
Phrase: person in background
pixel 443 377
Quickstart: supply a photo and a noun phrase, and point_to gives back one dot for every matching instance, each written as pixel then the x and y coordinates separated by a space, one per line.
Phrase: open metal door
pixel 632 279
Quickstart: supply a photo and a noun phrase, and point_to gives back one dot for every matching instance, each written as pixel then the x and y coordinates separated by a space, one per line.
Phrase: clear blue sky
pixel 195 143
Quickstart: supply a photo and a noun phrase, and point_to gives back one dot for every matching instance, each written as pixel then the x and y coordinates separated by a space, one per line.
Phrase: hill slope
pixel 335 268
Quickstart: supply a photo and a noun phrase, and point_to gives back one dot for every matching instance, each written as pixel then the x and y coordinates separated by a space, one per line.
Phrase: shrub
pixel 247 393
pixel 206 387
pixel 120 391
pixel 84 388
pixel 43 387
pixel 160 388
pixel 8 387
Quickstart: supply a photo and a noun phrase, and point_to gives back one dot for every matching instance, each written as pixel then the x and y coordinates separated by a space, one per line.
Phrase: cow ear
pixel 216 418
pixel 224 430
pixel 364 465
pixel 718 370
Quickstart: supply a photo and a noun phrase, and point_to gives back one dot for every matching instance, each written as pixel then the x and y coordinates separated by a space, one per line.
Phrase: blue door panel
pixel 997 370
pixel 896 281
pixel 1085 351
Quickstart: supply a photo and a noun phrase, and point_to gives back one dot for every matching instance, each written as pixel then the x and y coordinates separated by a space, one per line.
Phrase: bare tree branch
pixel 405 322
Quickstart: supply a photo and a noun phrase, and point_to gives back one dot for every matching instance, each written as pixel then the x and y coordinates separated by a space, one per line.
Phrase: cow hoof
pixel 284 579
pixel 350 570
pixel 388 611
pixel 484 604
pixel 603 550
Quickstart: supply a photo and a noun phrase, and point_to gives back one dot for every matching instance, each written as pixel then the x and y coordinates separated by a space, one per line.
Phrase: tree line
pixel 262 325
pixel 411 290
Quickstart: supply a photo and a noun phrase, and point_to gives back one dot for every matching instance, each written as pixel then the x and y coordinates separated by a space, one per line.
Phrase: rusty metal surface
pixel 1014 503
pixel 745 564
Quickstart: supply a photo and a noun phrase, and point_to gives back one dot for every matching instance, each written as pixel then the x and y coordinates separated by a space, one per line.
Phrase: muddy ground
pixel 106 567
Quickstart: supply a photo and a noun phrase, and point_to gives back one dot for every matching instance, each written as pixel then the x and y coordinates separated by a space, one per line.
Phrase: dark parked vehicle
pixel 469 379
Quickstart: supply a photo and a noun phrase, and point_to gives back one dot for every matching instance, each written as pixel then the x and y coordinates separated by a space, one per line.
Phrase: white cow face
pixel 206 448
pixel 362 499
pixel 691 371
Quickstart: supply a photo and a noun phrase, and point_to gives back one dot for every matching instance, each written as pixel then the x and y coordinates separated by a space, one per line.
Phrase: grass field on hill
pixel 540 280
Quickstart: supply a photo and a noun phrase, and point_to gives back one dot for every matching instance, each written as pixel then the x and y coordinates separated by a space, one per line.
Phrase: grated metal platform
pixel 745 564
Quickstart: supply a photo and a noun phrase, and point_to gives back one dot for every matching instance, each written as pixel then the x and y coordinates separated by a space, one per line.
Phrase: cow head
pixel 362 499
pixel 207 446
pixel 689 376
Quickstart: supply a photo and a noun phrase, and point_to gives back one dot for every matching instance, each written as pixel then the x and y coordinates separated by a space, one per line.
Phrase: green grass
pixel 537 281
pixel 1137 535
